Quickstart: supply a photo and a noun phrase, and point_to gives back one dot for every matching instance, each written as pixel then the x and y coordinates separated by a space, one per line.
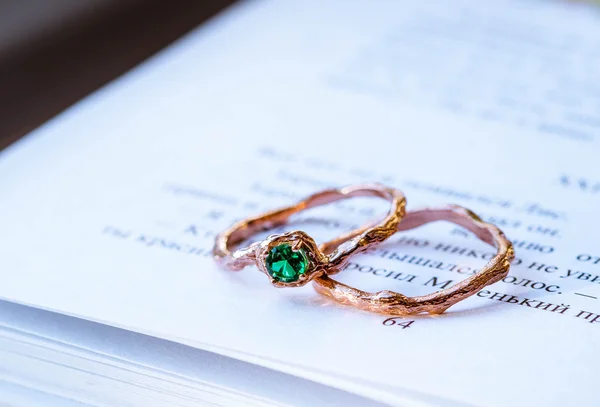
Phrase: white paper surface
pixel 101 365
pixel 109 210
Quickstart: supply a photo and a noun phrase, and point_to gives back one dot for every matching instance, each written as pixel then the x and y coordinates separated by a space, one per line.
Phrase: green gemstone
pixel 286 265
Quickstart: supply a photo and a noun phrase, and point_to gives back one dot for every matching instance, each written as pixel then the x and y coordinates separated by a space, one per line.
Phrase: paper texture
pixel 110 210
pixel 102 365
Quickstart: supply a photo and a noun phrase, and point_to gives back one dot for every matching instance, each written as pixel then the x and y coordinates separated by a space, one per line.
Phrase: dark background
pixel 54 52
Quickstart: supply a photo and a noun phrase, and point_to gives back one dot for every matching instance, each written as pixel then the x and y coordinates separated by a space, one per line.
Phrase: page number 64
pixel 397 321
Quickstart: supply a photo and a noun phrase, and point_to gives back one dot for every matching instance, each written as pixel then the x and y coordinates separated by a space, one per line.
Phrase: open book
pixel 110 295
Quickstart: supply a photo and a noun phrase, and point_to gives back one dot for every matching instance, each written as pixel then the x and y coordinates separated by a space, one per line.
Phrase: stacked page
pixel 110 210
pixel 93 364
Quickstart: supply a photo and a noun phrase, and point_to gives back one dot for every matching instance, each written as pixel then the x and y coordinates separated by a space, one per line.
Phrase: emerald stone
pixel 286 265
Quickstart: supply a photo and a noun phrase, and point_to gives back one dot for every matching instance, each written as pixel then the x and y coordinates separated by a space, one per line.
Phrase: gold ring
pixel 392 303
pixel 292 259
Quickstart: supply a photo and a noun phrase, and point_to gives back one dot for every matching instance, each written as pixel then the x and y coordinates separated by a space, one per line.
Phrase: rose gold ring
pixel 392 303
pixel 292 259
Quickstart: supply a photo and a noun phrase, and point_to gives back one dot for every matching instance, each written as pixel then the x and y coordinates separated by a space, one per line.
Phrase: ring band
pixel 293 258
pixel 392 303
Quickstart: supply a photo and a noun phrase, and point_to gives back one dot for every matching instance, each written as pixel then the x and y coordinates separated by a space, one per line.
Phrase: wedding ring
pixel 392 303
pixel 292 259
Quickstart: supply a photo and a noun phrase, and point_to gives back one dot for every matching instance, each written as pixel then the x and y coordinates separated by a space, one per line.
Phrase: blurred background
pixel 54 52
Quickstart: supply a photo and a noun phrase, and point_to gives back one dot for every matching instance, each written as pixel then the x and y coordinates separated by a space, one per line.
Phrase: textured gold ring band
pixel 293 258
pixel 392 303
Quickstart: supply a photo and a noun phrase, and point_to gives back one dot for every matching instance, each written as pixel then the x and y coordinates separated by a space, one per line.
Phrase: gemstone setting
pixel 286 265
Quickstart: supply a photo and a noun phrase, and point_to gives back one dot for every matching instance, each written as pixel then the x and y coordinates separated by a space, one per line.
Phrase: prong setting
pixel 291 259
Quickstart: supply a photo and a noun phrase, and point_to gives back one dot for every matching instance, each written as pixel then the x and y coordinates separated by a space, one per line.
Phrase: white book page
pixel 110 210
pixel 102 365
